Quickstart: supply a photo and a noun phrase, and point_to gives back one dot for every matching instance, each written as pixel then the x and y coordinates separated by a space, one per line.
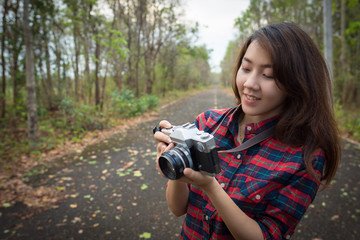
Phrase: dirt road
pixel 113 190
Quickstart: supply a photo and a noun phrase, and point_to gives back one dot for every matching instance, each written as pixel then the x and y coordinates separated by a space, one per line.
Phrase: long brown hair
pixel 301 72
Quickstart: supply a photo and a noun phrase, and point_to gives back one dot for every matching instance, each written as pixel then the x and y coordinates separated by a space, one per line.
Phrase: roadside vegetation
pixel 348 121
pixel 74 127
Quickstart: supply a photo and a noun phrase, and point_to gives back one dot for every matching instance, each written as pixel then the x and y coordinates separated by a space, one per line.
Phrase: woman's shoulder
pixel 216 114
pixel 212 116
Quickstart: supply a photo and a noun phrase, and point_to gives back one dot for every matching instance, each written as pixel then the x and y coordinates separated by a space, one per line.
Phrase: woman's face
pixel 261 98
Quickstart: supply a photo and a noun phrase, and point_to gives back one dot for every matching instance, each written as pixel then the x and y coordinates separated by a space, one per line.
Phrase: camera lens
pixel 173 162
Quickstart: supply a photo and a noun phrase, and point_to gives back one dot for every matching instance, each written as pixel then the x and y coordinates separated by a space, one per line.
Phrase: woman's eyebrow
pixel 262 65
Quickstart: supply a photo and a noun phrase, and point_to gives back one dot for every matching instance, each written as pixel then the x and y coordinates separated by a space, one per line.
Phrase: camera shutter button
pixel 199 132
pixel 205 136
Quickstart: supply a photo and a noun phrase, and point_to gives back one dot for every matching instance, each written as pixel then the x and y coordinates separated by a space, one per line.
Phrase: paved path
pixel 114 191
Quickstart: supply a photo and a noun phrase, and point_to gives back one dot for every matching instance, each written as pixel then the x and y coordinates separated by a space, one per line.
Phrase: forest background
pixel 69 69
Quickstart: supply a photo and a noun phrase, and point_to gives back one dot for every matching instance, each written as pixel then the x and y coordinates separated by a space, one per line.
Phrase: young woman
pixel 262 192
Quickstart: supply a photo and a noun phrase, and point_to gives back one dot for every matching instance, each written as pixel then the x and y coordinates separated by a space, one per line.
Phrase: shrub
pixel 348 121
pixel 126 105
pixel 79 119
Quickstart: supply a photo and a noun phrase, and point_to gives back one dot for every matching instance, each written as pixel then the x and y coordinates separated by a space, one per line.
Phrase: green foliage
pixel 348 121
pixel 80 119
pixel 126 105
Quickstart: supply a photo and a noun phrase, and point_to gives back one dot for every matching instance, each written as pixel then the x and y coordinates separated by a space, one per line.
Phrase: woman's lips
pixel 250 98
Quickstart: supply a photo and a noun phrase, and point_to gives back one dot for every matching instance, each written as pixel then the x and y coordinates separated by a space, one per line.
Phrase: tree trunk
pixel 57 51
pixel 86 41
pixel 328 43
pixel 103 87
pixel 17 47
pixel 3 62
pixel 49 84
pixel 77 53
pixel 345 90
pixel 30 82
pixel 128 22
pixel 97 61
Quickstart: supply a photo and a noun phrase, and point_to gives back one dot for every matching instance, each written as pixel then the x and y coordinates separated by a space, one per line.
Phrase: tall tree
pixel 328 43
pixel 343 51
pixel 30 82
pixel 3 62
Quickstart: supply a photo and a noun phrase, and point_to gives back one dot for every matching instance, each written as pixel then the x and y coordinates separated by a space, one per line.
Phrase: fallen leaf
pixel 60 188
pixel 143 187
pixel 137 173
pixel 76 220
pixel 116 149
pixel 74 195
pixel 129 164
pixel 145 235
pixel 73 205
pixel 6 205
pixel 133 152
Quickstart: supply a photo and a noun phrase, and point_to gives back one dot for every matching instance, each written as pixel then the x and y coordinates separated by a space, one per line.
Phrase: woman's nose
pixel 252 81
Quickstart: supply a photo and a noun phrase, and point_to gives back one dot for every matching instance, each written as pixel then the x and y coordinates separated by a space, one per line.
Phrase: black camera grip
pixel 156 129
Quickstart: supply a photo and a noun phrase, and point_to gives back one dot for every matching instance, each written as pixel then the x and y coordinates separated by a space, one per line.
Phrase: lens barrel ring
pixel 173 162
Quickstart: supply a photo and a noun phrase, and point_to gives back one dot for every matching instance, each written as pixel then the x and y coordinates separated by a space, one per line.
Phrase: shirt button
pixel 206 217
pixel 222 185
pixel 248 128
pixel 238 156
pixel 257 197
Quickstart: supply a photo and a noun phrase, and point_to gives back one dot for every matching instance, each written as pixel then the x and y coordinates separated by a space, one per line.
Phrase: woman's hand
pixel 199 179
pixel 164 143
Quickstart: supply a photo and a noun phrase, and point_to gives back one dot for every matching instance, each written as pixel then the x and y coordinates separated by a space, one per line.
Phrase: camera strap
pixel 249 143
pixel 252 141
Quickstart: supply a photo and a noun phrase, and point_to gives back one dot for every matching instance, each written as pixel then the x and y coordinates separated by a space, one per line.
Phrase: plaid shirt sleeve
pixel 284 212
pixel 268 182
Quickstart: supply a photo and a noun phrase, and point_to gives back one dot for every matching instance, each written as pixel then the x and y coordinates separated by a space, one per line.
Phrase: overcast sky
pixel 216 19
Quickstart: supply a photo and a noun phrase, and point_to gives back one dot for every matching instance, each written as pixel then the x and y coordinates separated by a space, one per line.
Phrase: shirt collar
pixel 252 128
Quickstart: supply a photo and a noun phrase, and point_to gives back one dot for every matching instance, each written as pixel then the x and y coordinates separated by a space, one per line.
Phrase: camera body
pixel 195 149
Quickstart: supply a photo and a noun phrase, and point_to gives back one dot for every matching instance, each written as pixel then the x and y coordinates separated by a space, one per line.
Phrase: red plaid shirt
pixel 268 181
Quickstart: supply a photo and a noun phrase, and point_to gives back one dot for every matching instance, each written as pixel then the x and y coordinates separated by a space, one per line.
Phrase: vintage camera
pixel 194 149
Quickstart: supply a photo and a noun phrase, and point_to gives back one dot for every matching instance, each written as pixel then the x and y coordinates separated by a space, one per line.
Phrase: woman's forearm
pixel 177 194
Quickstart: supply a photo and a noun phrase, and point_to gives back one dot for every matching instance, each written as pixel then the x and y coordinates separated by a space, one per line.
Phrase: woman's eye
pixel 245 69
pixel 268 76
